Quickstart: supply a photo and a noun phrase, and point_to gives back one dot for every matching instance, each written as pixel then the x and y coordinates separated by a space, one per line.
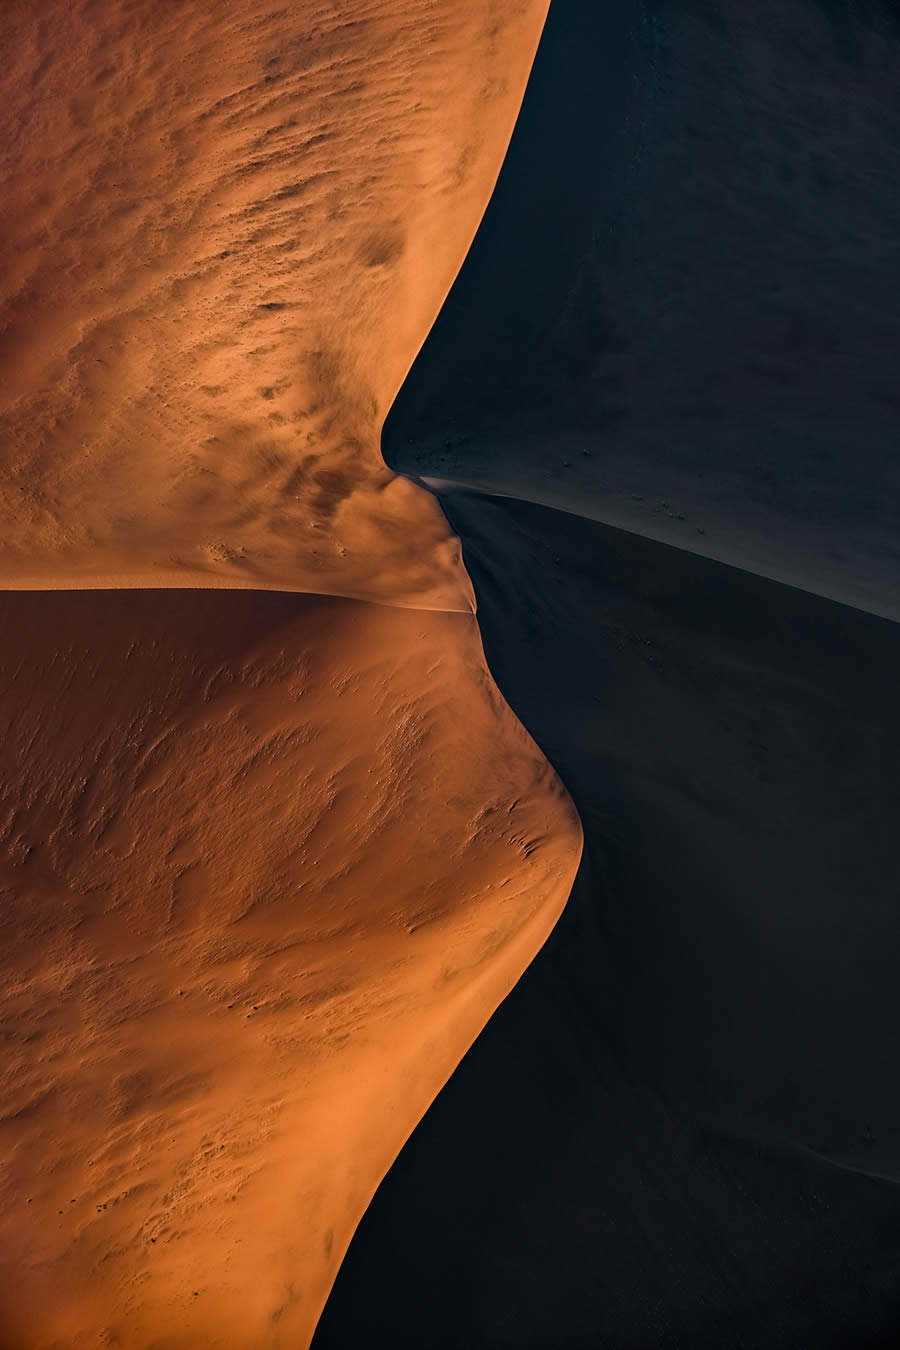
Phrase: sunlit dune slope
pixel 226 231
pixel 270 862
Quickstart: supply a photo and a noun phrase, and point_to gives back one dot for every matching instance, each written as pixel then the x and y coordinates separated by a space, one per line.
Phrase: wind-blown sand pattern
pixel 269 861
pixel 225 236
pixel 269 864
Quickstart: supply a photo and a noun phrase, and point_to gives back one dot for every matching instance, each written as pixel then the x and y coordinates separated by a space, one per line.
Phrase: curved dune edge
pixel 224 243
pixel 255 910
pixel 206 1079
pixel 682 335
pixel 663 338
pixel 836 586
pixel 685 1008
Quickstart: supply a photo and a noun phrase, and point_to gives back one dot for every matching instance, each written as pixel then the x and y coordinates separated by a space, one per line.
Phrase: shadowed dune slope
pixel 269 863
pixel 683 1126
pixel 225 235
pixel 680 313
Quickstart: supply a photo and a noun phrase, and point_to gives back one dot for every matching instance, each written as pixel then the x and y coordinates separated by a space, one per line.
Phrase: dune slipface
pixel 680 1128
pixel 690 332
pixel 269 862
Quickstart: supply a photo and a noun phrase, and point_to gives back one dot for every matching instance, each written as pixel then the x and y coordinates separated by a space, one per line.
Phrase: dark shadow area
pixel 670 1133
pixel 680 312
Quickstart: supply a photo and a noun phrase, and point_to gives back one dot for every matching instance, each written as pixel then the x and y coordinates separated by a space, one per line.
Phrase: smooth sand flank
pixel 269 864
pixel 225 235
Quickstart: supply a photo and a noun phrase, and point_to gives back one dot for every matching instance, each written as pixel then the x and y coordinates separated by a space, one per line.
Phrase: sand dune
pixel 274 860
pixel 225 237
pixel 690 331
pixel 269 863
pixel 647 1145
pixel 682 1129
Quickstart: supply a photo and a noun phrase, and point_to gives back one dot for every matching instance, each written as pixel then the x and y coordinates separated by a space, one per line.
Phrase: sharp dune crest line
pixel 585 509
pixel 268 860
pixel 668 366
pixel 269 863
pixel 224 241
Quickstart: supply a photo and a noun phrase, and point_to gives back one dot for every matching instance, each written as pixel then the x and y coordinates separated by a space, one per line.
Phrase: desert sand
pixel 225 236
pixel 687 1113
pixel 687 1131
pixel 273 860
pixel 269 861
pixel 690 332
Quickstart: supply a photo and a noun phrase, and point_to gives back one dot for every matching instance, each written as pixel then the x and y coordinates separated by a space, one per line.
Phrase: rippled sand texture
pixel 226 233
pixel 268 862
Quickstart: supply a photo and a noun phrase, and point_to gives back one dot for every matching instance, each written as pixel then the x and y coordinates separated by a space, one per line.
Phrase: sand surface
pixel 670 377
pixel 269 862
pixel 690 332
pixel 225 236
pixel 682 1128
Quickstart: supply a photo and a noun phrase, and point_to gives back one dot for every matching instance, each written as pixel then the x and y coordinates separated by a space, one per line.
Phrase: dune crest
pixel 225 238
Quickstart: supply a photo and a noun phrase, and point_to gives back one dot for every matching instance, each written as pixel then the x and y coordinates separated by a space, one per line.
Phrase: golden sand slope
pixel 268 864
pixel 226 231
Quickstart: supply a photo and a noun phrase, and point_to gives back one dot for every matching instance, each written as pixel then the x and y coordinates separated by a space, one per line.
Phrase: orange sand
pixel 224 240
pixel 269 862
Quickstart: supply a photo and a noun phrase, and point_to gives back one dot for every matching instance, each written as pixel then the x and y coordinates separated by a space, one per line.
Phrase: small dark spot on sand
pixel 271 305
pixel 383 247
